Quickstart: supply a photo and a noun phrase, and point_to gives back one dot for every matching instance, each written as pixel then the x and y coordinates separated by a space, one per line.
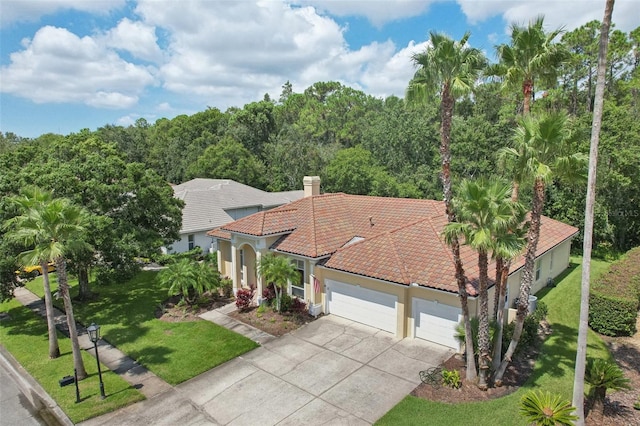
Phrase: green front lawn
pixel 24 334
pixel 173 351
pixel 554 368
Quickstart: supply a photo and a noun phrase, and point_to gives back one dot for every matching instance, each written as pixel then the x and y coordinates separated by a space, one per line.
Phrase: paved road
pixel 15 409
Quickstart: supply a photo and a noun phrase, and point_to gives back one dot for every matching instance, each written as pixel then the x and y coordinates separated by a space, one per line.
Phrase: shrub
pixel 298 306
pixel 615 298
pixel 244 297
pixel 451 378
pixel 285 302
pixel 268 294
pixel 545 409
pixel 528 336
pixel 611 315
pixel 226 287
pixel 541 311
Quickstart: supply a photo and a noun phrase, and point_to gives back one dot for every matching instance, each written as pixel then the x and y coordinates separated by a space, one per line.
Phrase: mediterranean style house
pixel 375 260
pixel 210 203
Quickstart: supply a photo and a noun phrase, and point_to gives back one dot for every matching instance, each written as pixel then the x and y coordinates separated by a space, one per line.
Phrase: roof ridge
pixel 314 238
pixel 404 272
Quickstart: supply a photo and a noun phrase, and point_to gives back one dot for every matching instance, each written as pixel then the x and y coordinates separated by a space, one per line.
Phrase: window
pixel 297 289
pixel 551 263
pixel 538 269
pixel 191 241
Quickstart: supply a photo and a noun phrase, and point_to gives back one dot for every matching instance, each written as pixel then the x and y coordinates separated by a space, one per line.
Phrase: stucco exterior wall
pixel 200 239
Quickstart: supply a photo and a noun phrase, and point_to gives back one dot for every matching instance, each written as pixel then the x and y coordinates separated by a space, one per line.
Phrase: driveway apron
pixel 331 371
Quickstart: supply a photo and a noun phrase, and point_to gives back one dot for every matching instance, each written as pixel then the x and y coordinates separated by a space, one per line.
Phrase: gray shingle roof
pixel 207 201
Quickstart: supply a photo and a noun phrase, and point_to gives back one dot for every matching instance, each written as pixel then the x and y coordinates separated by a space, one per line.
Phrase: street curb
pixel 39 399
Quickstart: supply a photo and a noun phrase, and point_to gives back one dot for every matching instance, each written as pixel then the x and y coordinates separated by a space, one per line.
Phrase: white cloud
pixel 569 14
pixel 226 51
pixel 136 38
pixel 378 12
pixel 30 10
pixel 57 66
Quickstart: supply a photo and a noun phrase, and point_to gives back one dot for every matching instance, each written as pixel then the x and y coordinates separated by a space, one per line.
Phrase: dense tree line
pixel 356 142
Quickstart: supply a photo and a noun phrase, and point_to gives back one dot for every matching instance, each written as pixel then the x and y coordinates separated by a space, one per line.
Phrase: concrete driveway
pixel 332 371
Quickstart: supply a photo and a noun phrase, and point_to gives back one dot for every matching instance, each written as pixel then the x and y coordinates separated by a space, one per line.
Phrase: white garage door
pixel 436 322
pixel 362 305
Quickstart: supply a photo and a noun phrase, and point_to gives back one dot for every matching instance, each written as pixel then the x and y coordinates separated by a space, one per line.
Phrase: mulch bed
pixel 173 310
pixel 516 375
pixel 271 322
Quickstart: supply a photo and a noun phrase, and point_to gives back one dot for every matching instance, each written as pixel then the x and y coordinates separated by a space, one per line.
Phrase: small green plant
pixel 603 375
pixel 546 409
pixel 451 378
pixel 637 404
pixel 261 309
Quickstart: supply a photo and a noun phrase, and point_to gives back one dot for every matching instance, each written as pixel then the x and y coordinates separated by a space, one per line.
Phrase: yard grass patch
pixel 24 334
pixel 554 368
pixel 174 351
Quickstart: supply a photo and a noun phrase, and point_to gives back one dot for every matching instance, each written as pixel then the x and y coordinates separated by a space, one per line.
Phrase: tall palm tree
pixel 449 69
pixel 531 56
pixel 35 198
pixel 543 145
pixel 484 211
pixel 277 270
pixel 583 328
pixel 58 226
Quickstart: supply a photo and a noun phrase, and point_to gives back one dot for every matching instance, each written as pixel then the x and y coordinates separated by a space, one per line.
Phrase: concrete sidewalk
pixel 115 360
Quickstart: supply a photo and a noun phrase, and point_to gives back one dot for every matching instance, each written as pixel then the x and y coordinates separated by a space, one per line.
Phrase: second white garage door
pixel 436 322
pixel 362 305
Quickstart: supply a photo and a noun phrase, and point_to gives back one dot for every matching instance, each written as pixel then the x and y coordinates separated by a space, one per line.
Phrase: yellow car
pixel 36 269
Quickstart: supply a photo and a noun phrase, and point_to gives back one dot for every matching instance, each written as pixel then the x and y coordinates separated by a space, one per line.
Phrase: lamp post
pixel 94 335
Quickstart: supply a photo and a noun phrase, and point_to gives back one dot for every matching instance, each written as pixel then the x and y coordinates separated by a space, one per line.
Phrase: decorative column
pixel 234 268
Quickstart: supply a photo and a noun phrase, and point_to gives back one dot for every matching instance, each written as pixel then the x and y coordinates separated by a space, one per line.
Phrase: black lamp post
pixel 94 335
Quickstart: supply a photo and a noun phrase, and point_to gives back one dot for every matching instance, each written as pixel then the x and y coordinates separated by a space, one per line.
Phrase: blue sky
pixel 66 65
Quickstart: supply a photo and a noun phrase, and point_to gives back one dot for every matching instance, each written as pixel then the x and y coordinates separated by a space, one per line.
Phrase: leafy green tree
pixel 484 211
pixel 277 270
pixel 530 61
pixel 450 69
pixel 354 171
pixel 545 409
pixel 53 228
pixel 229 159
pixel 543 147
pixel 189 279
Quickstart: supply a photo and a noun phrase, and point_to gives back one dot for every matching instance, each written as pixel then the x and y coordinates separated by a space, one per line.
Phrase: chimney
pixel 311 185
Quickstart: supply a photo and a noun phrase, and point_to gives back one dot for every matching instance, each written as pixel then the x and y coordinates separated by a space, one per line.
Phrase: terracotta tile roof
pixel 396 240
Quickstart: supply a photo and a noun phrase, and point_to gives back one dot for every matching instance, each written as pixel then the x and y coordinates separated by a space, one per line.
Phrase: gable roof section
pixel 210 202
pixel 396 240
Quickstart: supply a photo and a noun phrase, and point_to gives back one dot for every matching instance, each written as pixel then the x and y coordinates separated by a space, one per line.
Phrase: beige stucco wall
pixel 224 258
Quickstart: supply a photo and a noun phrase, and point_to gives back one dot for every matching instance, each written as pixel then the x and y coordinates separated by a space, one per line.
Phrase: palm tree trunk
pixel 502 290
pixel 484 345
pixel 533 235
pixel 54 348
pixel 527 91
pixel 63 288
pixel 445 152
pixel 84 292
pixel 496 293
pixel 581 353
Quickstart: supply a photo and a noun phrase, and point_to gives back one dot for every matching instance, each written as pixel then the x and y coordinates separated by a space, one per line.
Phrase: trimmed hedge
pixel 614 300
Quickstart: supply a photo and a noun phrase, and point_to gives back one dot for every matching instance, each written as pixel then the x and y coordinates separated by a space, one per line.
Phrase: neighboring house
pixel 210 203
pixel 378 261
